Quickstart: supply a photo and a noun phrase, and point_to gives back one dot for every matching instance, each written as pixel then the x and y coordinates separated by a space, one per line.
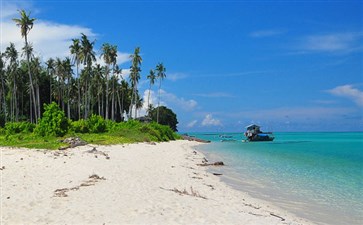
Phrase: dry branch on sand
pixel 185 192
pixel 92 180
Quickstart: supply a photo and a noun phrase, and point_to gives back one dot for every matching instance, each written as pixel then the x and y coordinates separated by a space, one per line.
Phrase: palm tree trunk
pixel 4 100
pixel 157 117
pixel 113 101
pixel 119 104
pixel 32 92
pixel 38 100
pixel 148 99
pixel 99 103
pixel 68 102
pixel 79 93
pixel 106 115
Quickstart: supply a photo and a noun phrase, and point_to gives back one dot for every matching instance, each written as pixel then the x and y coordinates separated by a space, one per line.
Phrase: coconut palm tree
pixel 135 70
pixel 160 76
pixel 98 85
pixel 109 55
pixel 75 50
pixel 3 108
pixel 12 55
pixel 152 78
pixel 87 57
pixel 26 24
pixel 116 73
pixel 67 70
pixel 50 69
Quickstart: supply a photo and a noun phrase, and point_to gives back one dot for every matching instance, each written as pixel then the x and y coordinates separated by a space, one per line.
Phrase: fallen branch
pixel 185 192
pixel 282 219
pixel 92 180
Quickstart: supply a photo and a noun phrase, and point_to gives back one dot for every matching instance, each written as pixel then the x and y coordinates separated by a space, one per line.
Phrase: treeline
pixel 80 86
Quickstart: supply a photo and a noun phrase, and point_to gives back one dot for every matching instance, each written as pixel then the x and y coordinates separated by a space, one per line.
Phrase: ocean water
pixel 318 176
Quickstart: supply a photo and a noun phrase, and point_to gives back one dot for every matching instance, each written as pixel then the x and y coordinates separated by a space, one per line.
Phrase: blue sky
pixel 286 65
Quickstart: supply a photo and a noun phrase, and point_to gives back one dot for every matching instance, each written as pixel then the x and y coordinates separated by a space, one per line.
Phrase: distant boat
pixel 227 138
pixel 254 134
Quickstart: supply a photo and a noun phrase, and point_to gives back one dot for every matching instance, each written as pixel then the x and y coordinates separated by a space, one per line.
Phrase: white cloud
pixel 167 99
pixel 348 91
pixel 293 113
pixel 210 121
pixel 192 124
pixel 266 33
pixel 176 76
pixel 180 102
pixel 336 42
pixel 49 39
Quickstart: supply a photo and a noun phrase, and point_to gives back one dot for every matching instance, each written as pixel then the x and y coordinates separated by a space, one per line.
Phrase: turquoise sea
pixel 318 176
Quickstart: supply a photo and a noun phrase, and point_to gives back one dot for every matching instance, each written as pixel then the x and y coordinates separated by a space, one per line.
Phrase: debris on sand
pixel 92 180
pixel 96 152
pixel 220 163
pixel 73 142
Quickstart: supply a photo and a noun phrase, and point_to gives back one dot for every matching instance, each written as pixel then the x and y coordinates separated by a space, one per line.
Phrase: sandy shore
pixel 124 184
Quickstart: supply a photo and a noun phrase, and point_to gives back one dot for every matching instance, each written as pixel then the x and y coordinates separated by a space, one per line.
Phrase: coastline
pixel 124 184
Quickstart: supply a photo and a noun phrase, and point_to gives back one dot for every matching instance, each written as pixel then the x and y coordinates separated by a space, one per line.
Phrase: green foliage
pixel 80 126
pixel 18 127
pixel 166 117
pixel 96 124
pixel 53 123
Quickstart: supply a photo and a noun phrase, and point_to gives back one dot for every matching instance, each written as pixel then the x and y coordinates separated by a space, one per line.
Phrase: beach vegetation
pixel 18 127
pixel 80 97
pixel 166 117
pixel 53 123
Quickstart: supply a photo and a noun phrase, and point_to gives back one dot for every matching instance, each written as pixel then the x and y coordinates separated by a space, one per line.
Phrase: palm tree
pixel 3 92
pixel 135 76
pixel 109 55
pixel 87 57
pixel 36 70
pixel 116 73
pixel 152 78
pixel 12 55
pixel 160 75
pixel 67 70
pixel 50 69
pixel 75 49
pixel 97 81
pixel 26 24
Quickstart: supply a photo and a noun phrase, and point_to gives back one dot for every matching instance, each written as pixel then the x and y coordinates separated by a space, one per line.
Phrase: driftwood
pixel 220 163
pixel 281 218
pixel 217 174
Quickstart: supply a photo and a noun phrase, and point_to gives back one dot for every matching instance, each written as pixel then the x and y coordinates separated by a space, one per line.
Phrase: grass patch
pixel 119 133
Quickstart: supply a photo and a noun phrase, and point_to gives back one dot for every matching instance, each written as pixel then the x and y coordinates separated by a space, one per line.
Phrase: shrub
pixel 53 123
pixel 80 126
pixel 18 127
pixel 166 133
pixel 96 124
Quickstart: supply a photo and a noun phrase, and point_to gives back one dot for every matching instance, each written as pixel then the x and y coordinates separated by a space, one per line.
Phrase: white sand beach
pixel 124 184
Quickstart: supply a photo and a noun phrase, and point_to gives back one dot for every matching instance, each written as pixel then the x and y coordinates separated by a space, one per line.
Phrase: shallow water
pixel 318 176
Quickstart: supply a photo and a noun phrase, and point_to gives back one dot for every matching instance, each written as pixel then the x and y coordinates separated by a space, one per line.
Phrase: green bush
pixel 96 124
pixel 80 126
pixel 131 124
pixel 166 133
pixel 18 127
pixel 53 123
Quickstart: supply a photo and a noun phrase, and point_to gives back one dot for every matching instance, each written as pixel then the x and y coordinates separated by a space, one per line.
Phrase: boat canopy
pixel 252 127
